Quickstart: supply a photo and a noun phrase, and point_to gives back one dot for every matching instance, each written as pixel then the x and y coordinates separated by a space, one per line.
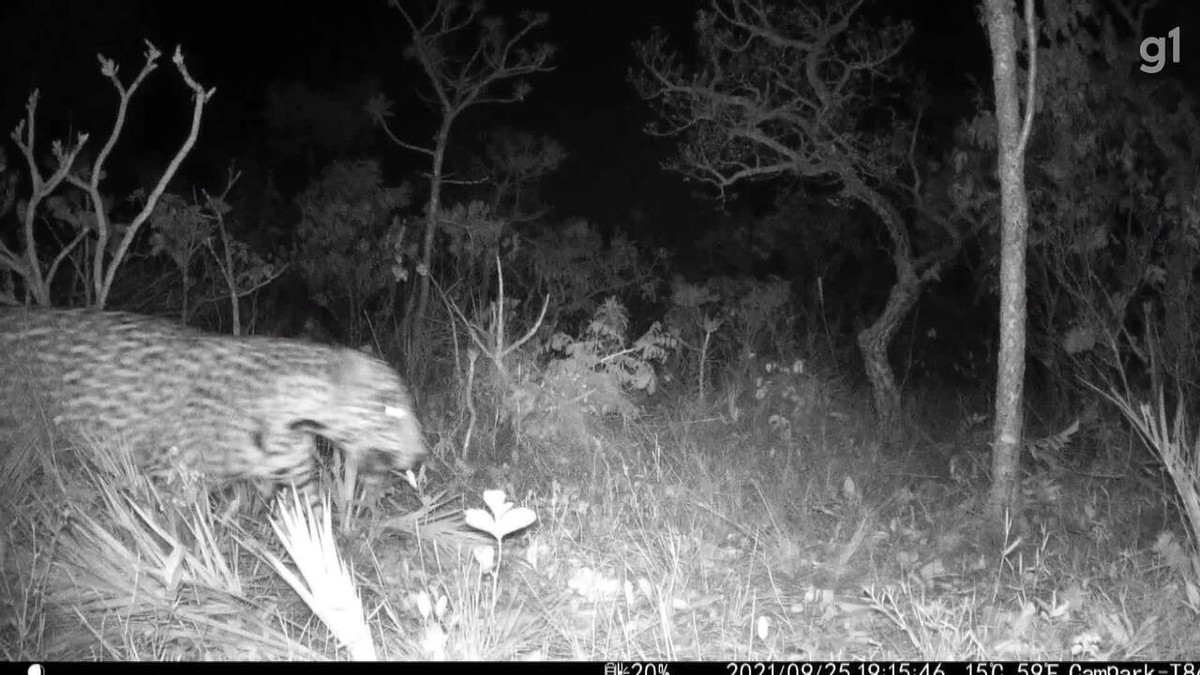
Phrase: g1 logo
pixel 1154 51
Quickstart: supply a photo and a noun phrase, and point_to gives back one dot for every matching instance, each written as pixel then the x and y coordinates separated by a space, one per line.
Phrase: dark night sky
pixel 586 102
pixel 241 47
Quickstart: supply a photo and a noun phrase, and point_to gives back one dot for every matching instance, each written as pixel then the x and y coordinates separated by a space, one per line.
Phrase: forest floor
pixel 724 531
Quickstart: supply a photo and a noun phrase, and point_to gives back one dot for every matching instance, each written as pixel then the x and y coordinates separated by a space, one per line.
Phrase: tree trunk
pixel 875 340
pixel 1006 442
pixel 873 343
pixel 418 301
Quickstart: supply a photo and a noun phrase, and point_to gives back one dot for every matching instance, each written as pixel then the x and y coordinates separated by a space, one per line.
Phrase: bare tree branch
pixel 106 275
pixel 88 179
pixel 459 81
pixel 779 88
pixel 25 137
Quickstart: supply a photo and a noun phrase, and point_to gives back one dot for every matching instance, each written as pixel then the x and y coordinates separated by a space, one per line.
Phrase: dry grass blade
pixel 327 584
pixel 137 571
pixel 439 520
pixel 1180 456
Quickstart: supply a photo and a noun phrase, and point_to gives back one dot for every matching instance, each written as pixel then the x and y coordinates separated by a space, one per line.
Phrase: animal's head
pixel 380 430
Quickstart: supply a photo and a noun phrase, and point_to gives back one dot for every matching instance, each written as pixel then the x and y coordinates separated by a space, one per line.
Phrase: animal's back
pixel 230 407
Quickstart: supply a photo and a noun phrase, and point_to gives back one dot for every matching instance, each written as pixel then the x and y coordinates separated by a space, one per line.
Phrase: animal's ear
pixel 351 366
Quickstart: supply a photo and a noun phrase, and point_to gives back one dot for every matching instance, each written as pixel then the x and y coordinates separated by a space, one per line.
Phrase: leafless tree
pixel 112 240
pixel 490 70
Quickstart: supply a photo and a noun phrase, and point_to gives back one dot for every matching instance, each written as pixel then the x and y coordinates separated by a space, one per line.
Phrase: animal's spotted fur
pixel 231 408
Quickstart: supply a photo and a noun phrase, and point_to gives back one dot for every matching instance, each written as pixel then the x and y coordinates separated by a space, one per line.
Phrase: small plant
pixel 602 350
pixel 500 520
pixel 726 319
pixel 325 582
pixel 1173 442
pixel 591 375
